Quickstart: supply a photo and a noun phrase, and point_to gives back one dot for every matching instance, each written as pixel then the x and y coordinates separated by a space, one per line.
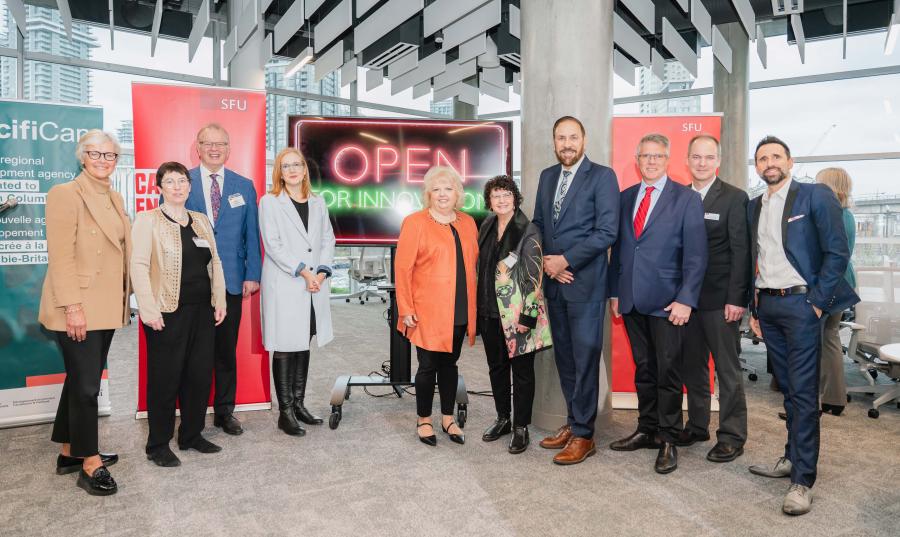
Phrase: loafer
pixel 501 426
pixel 782 468
pixel 519 441
pixel 229 424
pixel 576 451
pixel 834 410
pixel 724 452
pixel 798 500
pixel 68 465
pixel 101 483
pixel 164 457
pixel 559 440
pixel 688 438
pixel 202 445
pixel 637 440
pixel 666 459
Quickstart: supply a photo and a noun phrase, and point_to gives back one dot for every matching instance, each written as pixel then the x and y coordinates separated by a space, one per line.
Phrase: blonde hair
pixel 838 180
pixel 278 177
pixel 92 137
pixel 437 172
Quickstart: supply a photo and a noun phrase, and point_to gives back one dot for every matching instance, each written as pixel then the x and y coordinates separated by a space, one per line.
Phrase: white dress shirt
pixel 574 170
pixel 703 191
pixel 207 184
pixel 775 271
pixel 658 187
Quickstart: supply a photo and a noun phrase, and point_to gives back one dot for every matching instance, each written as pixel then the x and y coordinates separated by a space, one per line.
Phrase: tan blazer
pixel 87 263
pixel 156 263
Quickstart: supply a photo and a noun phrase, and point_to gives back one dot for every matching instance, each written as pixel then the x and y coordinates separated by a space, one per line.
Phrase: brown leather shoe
pixel 576 451
pixel 558 440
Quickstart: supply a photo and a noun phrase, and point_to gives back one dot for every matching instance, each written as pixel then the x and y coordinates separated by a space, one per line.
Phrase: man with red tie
pixel 656 273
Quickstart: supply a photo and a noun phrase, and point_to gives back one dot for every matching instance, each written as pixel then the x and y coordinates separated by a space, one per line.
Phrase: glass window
pixel 8 32
pixel 8 71
pixel 830 118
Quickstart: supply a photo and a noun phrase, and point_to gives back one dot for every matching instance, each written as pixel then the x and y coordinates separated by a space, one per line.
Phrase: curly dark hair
pixel 502 182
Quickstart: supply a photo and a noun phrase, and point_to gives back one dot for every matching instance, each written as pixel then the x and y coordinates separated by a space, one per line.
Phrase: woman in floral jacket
pixel 512 317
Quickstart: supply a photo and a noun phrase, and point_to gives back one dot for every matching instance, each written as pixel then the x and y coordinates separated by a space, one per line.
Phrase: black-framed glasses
pixel 96 155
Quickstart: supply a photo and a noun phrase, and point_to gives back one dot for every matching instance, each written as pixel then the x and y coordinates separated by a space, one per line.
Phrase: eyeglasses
pixel 172 182
pixel 210 145
pixel 95 155
pixel 652 156
pixel 502 196
pixel 293 166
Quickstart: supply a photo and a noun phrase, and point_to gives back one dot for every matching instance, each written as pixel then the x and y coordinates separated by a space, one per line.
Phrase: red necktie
pixel 641 217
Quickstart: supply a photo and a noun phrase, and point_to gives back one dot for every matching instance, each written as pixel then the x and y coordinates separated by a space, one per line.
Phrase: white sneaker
pixel 798 500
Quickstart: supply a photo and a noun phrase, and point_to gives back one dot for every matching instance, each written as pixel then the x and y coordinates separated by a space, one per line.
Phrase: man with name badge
pixel 229 200
pixel 714 326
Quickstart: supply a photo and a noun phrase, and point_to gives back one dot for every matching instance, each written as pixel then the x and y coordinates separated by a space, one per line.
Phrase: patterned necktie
pixel 641 217
pixel 215 196
pixel 557 205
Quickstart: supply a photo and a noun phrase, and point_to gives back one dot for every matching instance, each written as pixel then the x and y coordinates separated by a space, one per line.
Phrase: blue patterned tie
pixel 557 205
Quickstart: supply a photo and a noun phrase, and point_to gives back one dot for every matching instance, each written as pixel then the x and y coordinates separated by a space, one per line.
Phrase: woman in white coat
pixel 299 249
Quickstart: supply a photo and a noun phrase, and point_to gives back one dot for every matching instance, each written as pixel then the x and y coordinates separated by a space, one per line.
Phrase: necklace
pixel 438 221
pixel 180 219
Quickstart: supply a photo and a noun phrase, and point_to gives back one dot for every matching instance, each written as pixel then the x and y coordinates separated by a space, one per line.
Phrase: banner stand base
pixel 142 414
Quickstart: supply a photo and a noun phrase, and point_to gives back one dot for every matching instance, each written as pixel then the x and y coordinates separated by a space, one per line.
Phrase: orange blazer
pixel 425 278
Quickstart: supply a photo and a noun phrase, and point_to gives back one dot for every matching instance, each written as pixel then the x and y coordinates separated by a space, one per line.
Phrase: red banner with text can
pixel 627 133
pixel 166 121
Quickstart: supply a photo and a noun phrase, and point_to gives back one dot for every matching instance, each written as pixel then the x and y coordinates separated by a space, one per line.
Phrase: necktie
pixel 557 205
pixel 215 195
pixel 641 217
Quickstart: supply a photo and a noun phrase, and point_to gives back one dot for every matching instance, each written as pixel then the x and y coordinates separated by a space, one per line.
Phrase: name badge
pixel 235 200
pixel 201 243
pixel 711 216
pixel 798 217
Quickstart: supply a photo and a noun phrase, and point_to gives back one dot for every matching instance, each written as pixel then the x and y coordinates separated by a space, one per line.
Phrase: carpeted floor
pixel 371 477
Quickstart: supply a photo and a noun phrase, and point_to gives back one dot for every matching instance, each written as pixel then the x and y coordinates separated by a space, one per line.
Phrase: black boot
pixel 282 373
pixel 301 361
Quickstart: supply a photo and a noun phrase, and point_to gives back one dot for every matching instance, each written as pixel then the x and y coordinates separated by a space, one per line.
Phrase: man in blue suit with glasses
pixel 229 200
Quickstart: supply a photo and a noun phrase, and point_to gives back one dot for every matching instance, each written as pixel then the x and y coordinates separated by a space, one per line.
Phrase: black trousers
pixel 179 368
pixel 499 367
pixel 76 417
pixel 708 332
pixel 656 347
pixel 440 365
pixel 225 362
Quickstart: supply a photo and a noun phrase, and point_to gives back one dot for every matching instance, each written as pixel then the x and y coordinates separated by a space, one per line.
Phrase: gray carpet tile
pixel 371 476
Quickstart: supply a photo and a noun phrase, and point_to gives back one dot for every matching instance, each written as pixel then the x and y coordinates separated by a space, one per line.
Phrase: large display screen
pixel 370 171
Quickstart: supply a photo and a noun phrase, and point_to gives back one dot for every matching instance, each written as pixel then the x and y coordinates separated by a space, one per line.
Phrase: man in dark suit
pixel 714 326
pixel 229 200
pixel 656 273
pixel 576 210
pixel 800 251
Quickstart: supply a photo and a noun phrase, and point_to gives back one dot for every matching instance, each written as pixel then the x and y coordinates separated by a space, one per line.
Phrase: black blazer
pixel 727 279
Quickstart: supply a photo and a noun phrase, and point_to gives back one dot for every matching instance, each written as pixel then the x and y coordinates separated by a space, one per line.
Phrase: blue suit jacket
pixel 668 262
pixel 586 228
pixel 815 243
pixel 236 229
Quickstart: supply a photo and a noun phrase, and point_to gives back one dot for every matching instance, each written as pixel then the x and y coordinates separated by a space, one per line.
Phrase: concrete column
pixel 246 70
pixel 731 96
pixel 566 70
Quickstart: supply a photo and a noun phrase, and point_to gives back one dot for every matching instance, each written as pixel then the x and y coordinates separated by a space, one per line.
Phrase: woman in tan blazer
pixel 85 299
pixel 435 279
pixel 180 290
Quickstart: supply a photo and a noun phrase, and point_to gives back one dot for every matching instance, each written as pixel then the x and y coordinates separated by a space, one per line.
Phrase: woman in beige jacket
pixel 180 290
pixel 85 299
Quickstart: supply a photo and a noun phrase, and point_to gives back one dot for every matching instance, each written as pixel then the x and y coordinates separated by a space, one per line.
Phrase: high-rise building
pixel 7 65
pixel 278 107
pixel 46 33
pixel 444 107
pixel 675 78
pixel 125 132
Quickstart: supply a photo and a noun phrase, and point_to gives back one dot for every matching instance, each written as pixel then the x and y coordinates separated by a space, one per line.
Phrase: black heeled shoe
pixel 458 438
pixel 431 440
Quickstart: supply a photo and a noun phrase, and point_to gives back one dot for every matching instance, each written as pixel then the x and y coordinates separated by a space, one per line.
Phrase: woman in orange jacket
pixel 435 281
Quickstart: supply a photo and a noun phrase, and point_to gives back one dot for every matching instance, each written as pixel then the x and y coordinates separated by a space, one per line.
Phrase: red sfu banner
pixel 166 121
pixel 627 133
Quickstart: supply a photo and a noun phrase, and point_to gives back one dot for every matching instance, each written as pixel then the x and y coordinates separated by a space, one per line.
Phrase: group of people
pixel 190 262
pixel 680 264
